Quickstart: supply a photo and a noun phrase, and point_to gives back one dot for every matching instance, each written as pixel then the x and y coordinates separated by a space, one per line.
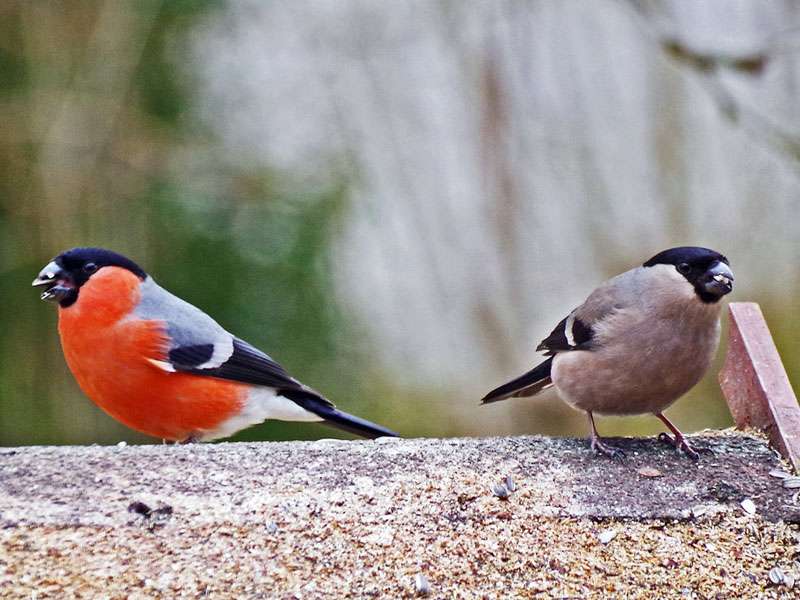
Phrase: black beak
pixel 718 280
pixel 57 282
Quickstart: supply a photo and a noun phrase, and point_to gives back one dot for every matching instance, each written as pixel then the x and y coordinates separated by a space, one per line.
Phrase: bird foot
pixel 189 440
pixel 599 448
pixel 680 444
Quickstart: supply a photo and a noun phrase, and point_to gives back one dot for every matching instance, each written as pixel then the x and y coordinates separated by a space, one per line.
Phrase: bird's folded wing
pixel 246 364
pixel 199 345
pixel 577 330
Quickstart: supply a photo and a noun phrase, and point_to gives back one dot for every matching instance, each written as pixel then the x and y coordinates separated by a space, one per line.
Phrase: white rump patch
pixel 262 403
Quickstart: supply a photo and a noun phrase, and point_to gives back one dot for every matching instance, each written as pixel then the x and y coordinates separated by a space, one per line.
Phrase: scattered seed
pixel 748 506
pixel 788 580
pixel 153 517
pixel 791 483
pixel 140 508
pixel 122 444
pixel 165 510
pixel 699 511
pixel 779 474
pixel 421 585
pixel 510 485
pixel 776 576
pixel 722 491
pixel 500 491
pixel 753 531
pixel 649 472
pixel 606 536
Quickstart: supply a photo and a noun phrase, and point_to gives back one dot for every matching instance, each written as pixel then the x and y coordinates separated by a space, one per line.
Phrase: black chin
pixel 712 292
pixel 707 298
pixel 64 294
pixel 69 299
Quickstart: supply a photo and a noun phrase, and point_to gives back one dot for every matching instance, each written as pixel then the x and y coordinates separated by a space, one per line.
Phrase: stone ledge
pixel 343 518
pixel 240 482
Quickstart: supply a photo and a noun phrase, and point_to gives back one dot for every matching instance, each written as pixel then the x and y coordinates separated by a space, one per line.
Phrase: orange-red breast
pixel 162 366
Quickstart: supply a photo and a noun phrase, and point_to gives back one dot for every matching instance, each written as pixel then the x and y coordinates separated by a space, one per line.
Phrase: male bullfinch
pixel 162 366
pixel 639 342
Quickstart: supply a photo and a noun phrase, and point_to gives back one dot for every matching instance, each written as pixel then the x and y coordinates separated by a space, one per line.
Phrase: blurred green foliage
pixel 251 254
pixel 99 146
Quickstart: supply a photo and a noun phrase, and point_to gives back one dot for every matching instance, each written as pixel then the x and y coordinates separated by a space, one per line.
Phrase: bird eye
pixel 684 268
pixel 90 267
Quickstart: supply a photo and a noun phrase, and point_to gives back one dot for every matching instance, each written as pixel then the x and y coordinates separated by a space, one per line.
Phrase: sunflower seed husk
pixel 422 586
pixel 500 491
pixel 779 474
pixel 649 472
pixel 788 580
pixel 776 576
pixel 510 485
pixel 791 483
pixel 753 531
pixel 748 506
pixel 606 536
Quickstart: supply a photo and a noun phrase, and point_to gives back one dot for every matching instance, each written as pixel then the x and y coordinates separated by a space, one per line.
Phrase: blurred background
pixel 396 200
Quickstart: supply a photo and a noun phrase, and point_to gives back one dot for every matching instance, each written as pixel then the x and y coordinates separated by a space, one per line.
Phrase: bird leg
pixel 679 441
pixel 189 440
pixel 597 444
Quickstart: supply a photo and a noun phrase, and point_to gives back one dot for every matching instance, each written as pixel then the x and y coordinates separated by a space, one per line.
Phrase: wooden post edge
pixel 755 384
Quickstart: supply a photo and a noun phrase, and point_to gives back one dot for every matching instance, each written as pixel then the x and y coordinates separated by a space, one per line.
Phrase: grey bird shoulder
pixel 200 345
pixel 578 330
pixel 197 340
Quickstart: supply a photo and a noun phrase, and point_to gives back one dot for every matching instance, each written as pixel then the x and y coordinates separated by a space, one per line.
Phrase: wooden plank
pixel 755 383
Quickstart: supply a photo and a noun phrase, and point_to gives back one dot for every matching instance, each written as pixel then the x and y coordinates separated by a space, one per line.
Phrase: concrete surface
pixel 393 517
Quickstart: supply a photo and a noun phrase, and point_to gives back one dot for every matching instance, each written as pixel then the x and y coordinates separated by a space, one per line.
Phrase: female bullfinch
pixel 639 342
pixel 162 366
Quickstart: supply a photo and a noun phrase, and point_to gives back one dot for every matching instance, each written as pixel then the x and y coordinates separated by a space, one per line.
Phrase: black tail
pixel 532 382
pixel 322 407
pixel 352 424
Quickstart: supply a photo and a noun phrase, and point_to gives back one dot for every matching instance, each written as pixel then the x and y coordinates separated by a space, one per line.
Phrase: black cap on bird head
pixel 707 270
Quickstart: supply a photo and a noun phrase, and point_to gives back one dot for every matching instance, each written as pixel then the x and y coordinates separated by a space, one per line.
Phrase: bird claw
pixel 599 448
pixel 680 444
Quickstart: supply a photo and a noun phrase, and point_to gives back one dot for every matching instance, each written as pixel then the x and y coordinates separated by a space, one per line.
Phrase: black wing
pixel 570 334
pixel 247 364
